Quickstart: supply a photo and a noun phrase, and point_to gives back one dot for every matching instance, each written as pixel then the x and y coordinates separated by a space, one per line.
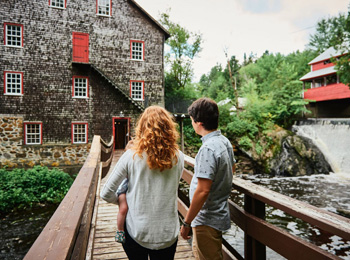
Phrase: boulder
pixel 298 156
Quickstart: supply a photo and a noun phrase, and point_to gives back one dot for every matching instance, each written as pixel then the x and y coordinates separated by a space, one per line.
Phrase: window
pixel 331 79
pixel 137 90
pixel 33 133
pixel 104 7
pixel 136 50
pixel 79 133
pixel 13 83
pixel 13 35
pixel 80 87
pixel 58 3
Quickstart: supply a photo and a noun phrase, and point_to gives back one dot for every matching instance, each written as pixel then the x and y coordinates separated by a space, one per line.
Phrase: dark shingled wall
pixel 46 63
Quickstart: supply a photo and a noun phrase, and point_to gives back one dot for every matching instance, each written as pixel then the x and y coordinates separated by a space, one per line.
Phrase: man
pixel 211 185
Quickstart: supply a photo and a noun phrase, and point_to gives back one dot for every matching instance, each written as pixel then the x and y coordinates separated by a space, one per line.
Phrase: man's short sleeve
pixel 206 165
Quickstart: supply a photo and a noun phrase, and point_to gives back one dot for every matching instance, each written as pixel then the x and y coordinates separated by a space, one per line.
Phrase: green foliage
pixel 191 138
pixel 184 46
pixel 239 127
pixel 217 83
pixel 272 88
pixel 342 44
pixel 245 143
pixel 335 32
pixel 258 148
pixel 329 31
pixel 25 188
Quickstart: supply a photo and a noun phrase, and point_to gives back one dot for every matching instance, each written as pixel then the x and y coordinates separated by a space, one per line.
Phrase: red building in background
pixel 332 98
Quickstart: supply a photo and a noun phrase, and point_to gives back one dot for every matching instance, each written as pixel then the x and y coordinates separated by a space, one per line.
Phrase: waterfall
pixel 332 137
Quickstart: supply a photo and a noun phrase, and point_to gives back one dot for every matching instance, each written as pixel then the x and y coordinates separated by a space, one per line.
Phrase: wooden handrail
pixel 259 233
pixel 66 234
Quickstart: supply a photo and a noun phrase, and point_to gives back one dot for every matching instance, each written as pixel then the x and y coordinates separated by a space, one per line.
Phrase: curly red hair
pixel 156 135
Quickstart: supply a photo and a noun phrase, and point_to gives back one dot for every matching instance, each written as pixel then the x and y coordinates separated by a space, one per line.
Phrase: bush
pixel 191 138
pixel 245 143
pixel 25 188
pixel 239 127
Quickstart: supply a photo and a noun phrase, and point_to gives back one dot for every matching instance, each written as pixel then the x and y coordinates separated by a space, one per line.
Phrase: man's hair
pixel 206 111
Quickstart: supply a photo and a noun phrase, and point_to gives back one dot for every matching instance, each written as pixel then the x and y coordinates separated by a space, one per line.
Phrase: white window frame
pixel 9 33
pixel 55 4
pixel 13 76
pixel 37 135
pixel 102 6
pixel 79 137
pixel 137 53
pixel 135 91
pixel 79 84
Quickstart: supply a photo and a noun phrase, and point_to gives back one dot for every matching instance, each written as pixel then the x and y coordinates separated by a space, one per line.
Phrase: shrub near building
pixel 27 188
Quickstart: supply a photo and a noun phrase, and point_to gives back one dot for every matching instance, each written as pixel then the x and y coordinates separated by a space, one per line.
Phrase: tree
pixel 342 44
pixel 335 32
pixel 184 46
pixel 277 89
pixel 234 82
pixel 328 33
pixel 217 83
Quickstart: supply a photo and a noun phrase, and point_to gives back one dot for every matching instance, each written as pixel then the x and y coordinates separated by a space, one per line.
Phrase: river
pixel 330 192
pixel 20 228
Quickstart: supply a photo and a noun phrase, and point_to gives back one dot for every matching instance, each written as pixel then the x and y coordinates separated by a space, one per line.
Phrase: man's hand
pixel 184 232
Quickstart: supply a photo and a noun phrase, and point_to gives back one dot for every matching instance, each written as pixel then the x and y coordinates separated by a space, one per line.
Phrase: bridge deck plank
pixel 103 244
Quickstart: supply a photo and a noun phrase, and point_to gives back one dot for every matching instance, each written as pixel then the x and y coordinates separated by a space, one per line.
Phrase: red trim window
pixel 137 50
pixel 104 7
pixel 13 83
pixel 13 34
pixel 33 133
pixel 58 3
pixel 80 87
pixel 79 133
pixel 137 90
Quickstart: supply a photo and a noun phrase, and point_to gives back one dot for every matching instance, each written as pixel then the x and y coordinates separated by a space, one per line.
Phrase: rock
pixel 344 212
pixel 299 156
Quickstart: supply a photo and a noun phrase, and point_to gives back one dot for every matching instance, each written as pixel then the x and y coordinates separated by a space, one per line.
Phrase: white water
pixel 332 137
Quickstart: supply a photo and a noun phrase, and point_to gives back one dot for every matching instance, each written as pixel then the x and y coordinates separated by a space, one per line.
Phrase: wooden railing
pixel 259 233
pixel 66 234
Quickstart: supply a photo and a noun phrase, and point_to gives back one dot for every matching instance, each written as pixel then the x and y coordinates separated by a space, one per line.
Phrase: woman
pixel 153 166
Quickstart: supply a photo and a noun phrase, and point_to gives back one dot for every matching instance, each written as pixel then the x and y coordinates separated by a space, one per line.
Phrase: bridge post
pixel 253 249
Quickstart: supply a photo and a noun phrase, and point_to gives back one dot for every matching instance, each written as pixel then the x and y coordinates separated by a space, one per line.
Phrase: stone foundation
pixel 14 154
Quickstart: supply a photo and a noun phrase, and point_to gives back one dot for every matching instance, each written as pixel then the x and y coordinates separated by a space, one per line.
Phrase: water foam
pixel 332 137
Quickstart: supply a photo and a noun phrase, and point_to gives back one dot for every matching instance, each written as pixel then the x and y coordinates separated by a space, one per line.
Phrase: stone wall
pixel 13 154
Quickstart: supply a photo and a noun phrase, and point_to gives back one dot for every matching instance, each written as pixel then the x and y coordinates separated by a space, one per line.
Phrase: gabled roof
pixel 167 34
pixel 319 73
pixel 326 55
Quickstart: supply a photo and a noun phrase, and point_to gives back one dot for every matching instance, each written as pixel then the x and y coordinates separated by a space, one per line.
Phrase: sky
pixel 245 26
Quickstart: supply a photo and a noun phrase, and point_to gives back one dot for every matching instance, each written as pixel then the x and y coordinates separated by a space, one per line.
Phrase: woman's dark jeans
pixel 135 251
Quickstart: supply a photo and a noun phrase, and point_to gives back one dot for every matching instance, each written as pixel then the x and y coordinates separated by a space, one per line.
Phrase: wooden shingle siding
pixel 46 61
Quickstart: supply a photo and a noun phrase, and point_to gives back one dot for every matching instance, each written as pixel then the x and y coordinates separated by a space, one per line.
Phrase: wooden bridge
pixel 83 225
